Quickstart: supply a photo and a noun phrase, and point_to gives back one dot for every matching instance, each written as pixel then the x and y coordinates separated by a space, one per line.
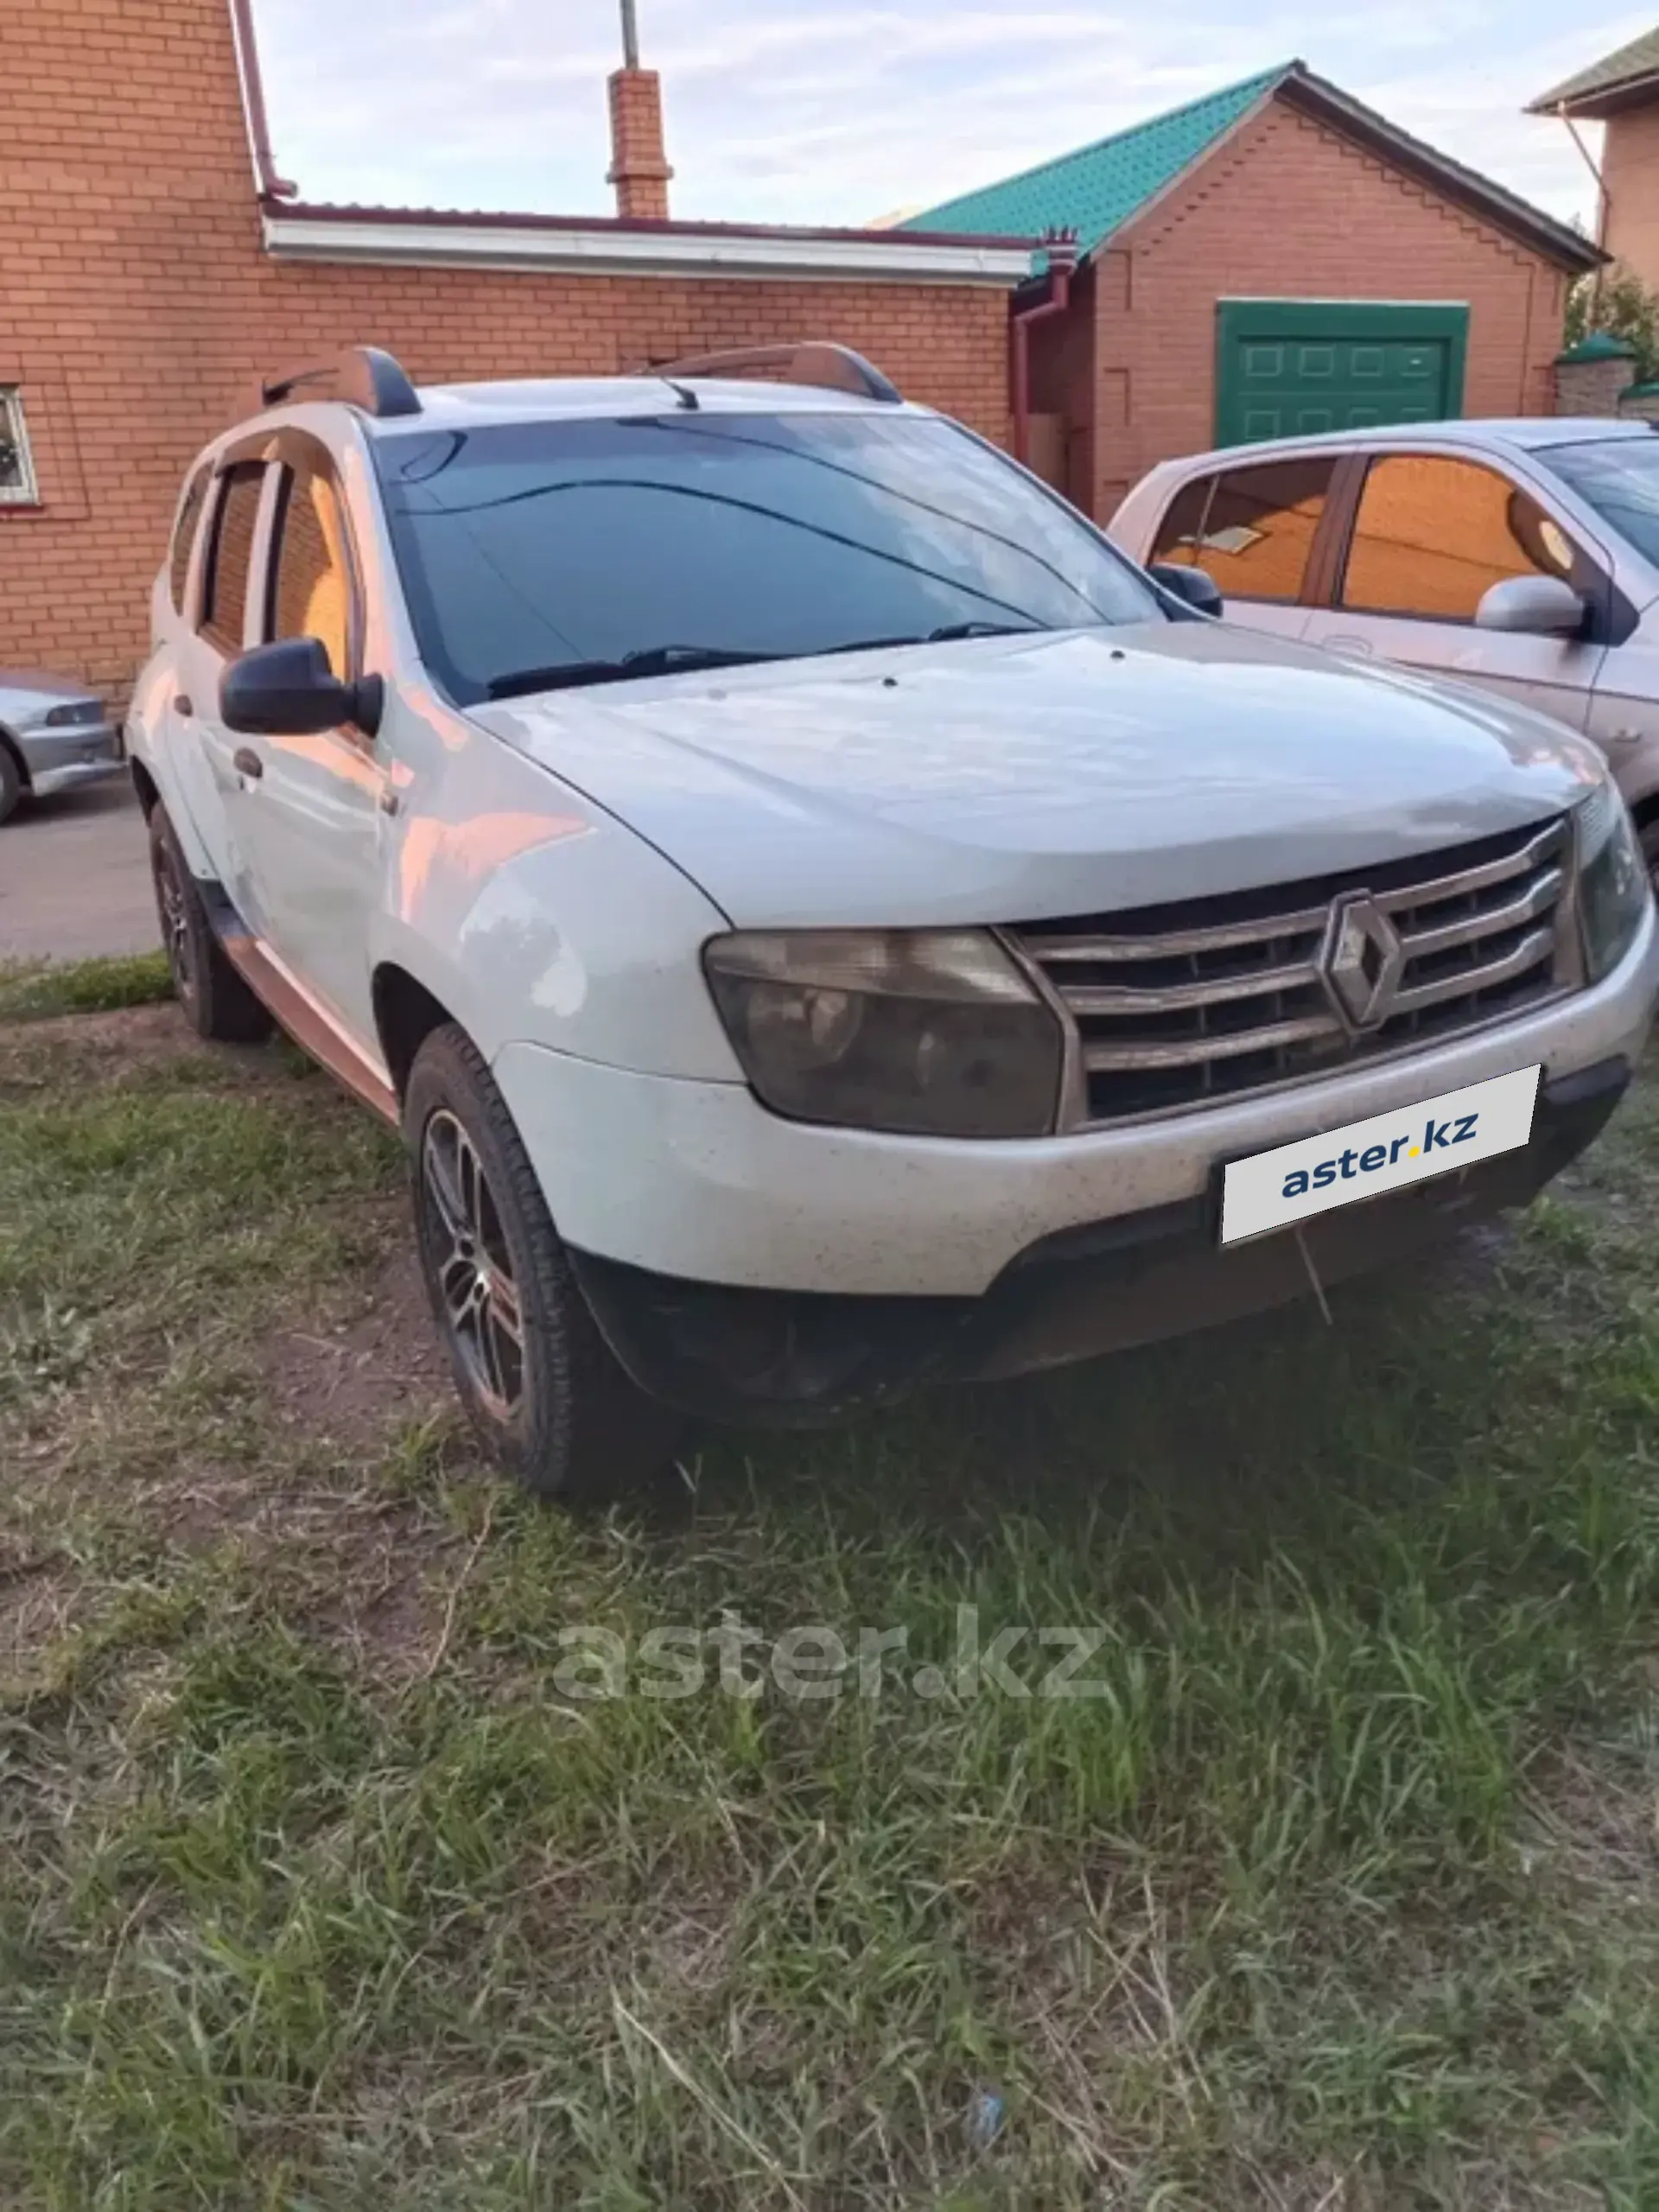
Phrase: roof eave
pixel 443 238
pixel 1596 105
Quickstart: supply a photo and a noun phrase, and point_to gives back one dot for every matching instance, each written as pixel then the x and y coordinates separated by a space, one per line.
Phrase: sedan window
pixel 1619 477
pixel 1252 529
pixel 1434 534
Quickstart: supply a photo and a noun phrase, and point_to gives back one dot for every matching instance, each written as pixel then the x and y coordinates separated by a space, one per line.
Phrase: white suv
pixel 823 920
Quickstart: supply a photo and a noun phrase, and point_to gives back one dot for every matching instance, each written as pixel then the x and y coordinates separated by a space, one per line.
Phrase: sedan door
pixel 1432 533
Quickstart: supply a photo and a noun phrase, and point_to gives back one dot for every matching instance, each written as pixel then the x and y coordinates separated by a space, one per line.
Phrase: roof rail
pixel 363 376
pixel 810 360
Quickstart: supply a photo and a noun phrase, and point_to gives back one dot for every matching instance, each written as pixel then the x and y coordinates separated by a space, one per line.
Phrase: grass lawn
pixel 323 1884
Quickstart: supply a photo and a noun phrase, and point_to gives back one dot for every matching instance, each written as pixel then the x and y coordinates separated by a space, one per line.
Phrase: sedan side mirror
pixel 1196 586
pixel 1534 606
pixel 287 689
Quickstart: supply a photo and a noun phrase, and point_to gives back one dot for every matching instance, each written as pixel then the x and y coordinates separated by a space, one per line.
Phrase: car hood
pixel 33 686
pixel 1021 778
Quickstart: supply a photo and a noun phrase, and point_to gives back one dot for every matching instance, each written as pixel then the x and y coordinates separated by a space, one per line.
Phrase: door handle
pixel 182 705
pixel 246 762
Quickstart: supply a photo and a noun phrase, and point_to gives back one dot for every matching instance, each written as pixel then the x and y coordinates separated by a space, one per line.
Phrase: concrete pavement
pixel 75 876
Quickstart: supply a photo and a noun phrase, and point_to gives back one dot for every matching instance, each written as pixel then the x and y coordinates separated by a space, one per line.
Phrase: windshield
pixel 538 553
pixel 1619 477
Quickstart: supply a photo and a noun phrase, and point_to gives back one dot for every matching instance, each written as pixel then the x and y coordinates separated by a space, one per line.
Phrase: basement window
pixel 17 487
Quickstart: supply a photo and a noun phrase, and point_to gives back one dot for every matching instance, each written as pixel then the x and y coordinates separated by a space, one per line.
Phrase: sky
pixel 843 111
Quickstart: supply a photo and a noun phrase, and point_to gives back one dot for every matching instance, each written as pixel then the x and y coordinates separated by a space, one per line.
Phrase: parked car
pixel 1520 555
pixel 825 923
pixel 54 733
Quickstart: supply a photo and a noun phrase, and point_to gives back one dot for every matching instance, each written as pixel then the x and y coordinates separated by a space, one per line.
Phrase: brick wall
pixel 139 309
pixel 1289 209
pixel 1630 170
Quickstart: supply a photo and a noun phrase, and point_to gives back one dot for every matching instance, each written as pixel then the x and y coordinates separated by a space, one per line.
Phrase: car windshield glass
pixel 1619 477
pixel 561 548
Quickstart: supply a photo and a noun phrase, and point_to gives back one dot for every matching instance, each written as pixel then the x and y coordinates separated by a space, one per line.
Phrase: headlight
pixel 925 1031
pixel 1613 889
pixel 76 715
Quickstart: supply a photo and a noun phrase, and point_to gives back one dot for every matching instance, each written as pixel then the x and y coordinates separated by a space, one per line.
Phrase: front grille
pixel 1204 998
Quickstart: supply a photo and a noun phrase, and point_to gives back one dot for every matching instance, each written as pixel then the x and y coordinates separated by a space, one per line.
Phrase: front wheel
pixel 540 1386
pixel 1651 853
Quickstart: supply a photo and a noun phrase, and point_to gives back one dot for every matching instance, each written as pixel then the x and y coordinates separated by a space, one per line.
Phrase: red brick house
pixel 150 271
pixel 1274 258
pixel 1621 92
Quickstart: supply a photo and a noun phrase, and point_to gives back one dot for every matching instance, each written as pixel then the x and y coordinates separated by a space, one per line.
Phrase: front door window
pixel 1434 534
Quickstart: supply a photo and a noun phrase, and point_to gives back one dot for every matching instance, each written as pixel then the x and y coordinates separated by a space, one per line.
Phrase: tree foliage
pixel 1622 306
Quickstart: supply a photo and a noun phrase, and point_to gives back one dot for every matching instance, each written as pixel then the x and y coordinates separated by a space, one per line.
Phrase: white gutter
pixel 575 249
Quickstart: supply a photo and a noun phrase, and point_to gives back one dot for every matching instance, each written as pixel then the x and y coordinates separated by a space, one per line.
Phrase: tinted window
pixel 1619 477
pixel 1183 524
pixel 1257 537
pixel 311 596
pixel 1432 535
pixel 184 536
pixel 224 591
pixel 538 546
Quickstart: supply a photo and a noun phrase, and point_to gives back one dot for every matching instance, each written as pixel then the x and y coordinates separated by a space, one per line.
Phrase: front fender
pixel 535 916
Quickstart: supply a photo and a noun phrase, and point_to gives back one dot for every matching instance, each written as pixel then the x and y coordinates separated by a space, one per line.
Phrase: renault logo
pixel 1361 961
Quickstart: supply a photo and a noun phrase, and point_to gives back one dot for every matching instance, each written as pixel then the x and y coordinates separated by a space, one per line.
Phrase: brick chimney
pixel 639 168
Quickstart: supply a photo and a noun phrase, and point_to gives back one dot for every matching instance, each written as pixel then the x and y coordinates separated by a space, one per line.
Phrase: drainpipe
pixel 271 187
pixel 1590 163
pixel 1061 247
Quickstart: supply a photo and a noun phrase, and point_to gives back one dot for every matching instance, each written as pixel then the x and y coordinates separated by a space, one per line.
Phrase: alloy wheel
pixel 476 1285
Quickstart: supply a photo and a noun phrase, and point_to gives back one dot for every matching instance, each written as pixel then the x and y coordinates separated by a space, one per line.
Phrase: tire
pixel 542 1388
pixel 216 1002
pixel 1649 836
pixel 11 783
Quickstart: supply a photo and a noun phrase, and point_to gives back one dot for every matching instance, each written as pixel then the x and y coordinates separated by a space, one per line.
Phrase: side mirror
pixel 1535 607
pixel 1196 586
pixel 287 689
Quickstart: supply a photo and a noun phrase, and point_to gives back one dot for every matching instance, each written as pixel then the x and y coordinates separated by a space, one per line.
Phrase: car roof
pixel 1520 432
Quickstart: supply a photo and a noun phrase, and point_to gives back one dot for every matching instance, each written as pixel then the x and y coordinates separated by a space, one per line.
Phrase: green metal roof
pixel 1094 190
pixel 1592 91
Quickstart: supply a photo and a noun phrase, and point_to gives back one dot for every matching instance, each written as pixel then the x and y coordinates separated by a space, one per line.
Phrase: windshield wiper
pixel 645 660
pixel 948 634
pixel 673 660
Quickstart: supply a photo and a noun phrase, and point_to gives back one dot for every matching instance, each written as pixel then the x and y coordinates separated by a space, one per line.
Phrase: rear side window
pixel 1257 536
pixel 1432 535
pixel 1183 524
pixel 311 587
pixel 224 589
pixel 184 536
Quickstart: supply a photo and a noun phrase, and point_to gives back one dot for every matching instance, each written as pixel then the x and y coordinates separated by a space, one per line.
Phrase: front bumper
pixel 58 760
pixel 698 1180
pixel 793 1359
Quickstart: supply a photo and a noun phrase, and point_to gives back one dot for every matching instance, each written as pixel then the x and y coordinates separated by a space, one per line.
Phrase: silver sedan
pixel 1521 556
pixel 54 733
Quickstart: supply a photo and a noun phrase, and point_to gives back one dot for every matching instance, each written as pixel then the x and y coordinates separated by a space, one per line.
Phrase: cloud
pixel 831 114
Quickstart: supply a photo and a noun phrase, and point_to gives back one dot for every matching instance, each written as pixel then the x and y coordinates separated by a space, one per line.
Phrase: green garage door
pixel 1286 367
